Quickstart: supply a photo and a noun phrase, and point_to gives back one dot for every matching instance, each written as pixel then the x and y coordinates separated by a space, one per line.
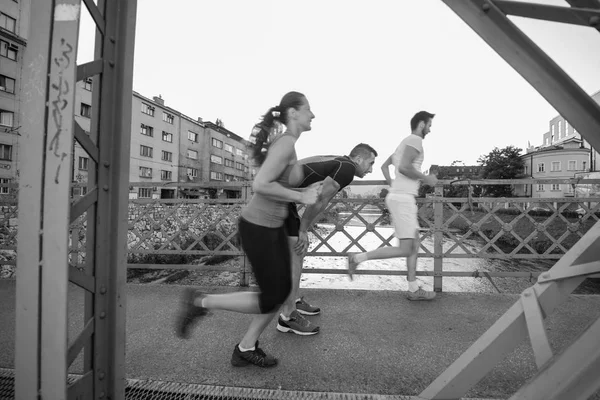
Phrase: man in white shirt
pixel 400 201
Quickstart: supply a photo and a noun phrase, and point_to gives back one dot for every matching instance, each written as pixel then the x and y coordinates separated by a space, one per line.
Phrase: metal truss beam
pixel 488 19
pixel 510 329
pixel 572 375
pixel 537 68
pixel 568 15
pixel 33 120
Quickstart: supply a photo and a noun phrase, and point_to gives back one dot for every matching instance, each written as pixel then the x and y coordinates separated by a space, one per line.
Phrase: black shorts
pixel 292 222
pixel 268 251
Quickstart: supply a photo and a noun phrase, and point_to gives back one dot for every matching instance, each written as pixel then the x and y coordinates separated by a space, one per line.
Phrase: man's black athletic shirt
pixel 340 168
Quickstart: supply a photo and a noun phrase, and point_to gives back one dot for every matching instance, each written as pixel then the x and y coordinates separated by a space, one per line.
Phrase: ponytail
pixel 263 134
pixel 272 124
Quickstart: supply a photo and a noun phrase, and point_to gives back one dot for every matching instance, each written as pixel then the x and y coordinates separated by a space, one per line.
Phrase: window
pixel 147 130
pixel 229 163
pixel 583 165
pixel 166 156
pixel 7 84
pixel 555 166
pixel 540 188
pixel 526 170
pixel 552 129
pixel 168 118
pixel 192 154
pixel 216 176
pixel 570 189
pixel 4 189
pixel 541 167
pixel 145 172
pixel 229 148
pixel 572 166
pixel 216 159
pixel 246 169
pixel 167 137
pixel 8 23
pixel 145 193
pixel 239 166
pixel 193 172
pixel 6 152
pixel 193 136
pixel 217 143
pixel 165 175
pixel 6 118
pixel 148 109
pixel 229 178
pixel 239 152
pixel 83 163
pixel 561 132
pixel 555 187
pixel 145 151
pixel 87 84
pixel 86 110
pixel 8 50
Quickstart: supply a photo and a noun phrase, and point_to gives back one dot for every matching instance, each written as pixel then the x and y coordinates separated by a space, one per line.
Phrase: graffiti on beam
pixel 60 102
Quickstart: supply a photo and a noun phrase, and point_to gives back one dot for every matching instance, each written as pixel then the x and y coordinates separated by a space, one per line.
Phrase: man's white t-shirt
pixel 401 183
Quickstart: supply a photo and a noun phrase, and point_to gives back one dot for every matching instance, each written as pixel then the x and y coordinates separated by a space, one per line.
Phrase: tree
pixel 503 163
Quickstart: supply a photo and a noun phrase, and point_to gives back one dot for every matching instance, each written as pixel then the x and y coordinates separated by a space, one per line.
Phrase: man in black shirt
pixel 336 172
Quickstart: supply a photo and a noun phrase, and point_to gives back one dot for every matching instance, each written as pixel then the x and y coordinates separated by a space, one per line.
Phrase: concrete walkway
pixel 374 342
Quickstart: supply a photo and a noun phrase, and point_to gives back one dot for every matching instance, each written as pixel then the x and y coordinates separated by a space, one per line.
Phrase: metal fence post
pixel 438 237
pixel 244 278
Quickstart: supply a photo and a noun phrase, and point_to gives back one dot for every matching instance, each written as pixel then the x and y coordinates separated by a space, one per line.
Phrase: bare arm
pixel 329 189
pixel 406 164
pixel 279 157
pixel 385 168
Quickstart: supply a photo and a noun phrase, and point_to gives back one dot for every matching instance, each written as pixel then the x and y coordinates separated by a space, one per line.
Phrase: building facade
pixel 562 161
pixel 563 154
pixel 169 148
pixel 14 29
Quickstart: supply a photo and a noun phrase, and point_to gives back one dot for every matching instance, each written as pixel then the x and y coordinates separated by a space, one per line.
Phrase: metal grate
pixel 146 389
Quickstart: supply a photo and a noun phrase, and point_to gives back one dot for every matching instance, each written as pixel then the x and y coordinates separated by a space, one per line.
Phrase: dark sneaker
pixel 188 312
pixel 420 295
pixel 352 265
pixel 306 309
pixel 257 357
pixel 297 324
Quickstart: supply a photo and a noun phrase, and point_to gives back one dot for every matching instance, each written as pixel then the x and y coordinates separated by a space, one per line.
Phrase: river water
pixel 450 284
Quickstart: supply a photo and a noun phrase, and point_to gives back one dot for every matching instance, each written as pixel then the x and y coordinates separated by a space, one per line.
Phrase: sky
pixel 366 67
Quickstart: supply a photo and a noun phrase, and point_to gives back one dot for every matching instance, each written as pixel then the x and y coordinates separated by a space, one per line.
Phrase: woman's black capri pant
pixel 269 254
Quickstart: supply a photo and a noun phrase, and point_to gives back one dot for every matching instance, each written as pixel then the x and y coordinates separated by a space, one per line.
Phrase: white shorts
pixel 403 210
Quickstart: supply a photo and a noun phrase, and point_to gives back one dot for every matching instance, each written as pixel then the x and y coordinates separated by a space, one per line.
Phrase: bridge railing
pixel 178 233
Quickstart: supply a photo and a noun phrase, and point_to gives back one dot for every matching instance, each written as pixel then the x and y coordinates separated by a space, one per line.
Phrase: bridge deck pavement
pixel 373 342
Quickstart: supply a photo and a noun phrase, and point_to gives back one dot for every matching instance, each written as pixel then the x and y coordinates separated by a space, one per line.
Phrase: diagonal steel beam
pixel 536 67
pixel 572 375
pixel 568 15
pixel 510 329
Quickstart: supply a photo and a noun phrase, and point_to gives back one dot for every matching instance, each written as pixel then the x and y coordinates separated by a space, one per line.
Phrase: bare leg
pixel 411 260
pixel 242 302
pixel 297 261
pixel 257 326
pixel 404 249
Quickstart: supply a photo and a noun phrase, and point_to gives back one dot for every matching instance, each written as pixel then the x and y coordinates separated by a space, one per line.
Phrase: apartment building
pixel 226 159
pixel 14 27
pixel 155 138
pixel 168 148
pixel 83 116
